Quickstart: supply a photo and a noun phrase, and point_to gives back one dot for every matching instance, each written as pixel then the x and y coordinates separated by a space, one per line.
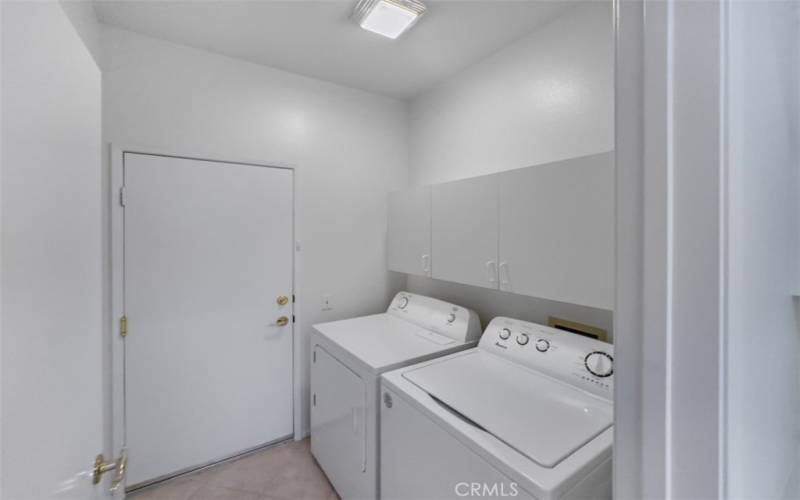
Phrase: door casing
pixel 117 214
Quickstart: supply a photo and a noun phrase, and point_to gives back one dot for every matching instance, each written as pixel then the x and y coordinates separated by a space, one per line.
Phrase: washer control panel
pixel 451 320
pixel 599 364
pixel 575 359
pixel 402 301
pixel 542 345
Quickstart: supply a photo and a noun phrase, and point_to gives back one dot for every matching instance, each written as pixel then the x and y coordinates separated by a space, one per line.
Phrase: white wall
pixel 81 15
pixel 349 146
pixel 547 97
pixel 763 388
pixel 51 254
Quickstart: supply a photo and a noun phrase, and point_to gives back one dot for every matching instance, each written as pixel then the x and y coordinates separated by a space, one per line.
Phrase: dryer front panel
pixel 338 414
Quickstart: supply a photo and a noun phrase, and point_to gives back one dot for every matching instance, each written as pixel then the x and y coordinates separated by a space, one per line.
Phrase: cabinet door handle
pixel 503 272
pixel 426 264
pixel 491 271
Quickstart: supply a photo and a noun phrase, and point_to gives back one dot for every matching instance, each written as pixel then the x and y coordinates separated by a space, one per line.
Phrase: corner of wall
pixel 83 18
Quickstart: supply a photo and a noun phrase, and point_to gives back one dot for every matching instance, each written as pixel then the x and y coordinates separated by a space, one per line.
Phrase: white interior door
pixel 208 252
pixel 51 387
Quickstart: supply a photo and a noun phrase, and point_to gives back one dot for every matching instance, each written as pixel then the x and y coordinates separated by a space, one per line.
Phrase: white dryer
pixel 347 359
pixel 526 414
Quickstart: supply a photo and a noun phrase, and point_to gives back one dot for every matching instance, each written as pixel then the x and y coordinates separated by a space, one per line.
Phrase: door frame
pixel 117 289
pixel 669 326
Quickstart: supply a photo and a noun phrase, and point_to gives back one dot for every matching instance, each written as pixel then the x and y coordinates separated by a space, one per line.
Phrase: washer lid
pixel 544 419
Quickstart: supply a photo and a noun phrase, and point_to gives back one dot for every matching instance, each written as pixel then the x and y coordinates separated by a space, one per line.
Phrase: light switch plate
pixel 327 302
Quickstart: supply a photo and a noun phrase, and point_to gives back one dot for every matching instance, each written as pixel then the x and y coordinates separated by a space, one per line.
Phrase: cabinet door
pixel 557 231
pixel 409 240
pixel 464 229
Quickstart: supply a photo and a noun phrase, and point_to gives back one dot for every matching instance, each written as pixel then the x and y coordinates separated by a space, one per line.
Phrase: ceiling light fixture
pixel 389 18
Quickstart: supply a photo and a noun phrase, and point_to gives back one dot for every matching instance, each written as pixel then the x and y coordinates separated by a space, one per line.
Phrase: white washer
pixel 526 414
pixel 348 358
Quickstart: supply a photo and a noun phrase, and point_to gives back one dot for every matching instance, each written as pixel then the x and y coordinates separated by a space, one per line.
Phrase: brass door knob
pixel 282 321
pixel 282 300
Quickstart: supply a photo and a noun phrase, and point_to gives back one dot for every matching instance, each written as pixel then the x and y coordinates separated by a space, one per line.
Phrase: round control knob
pixel 523 338
pixel 542 345
pixel 402 303
pixel 599 364
pixel 451 317
pixel 505 333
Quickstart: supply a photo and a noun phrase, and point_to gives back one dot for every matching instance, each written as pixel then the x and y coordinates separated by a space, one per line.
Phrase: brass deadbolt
pixel 282 300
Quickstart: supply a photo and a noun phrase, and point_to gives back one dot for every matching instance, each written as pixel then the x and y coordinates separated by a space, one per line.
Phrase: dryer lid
pixel 542 418
pixel 383 341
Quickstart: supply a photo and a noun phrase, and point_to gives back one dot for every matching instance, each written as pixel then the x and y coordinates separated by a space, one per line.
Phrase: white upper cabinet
pixel 464 231
pixel 409 238
pixel 543 231
pixel 557 231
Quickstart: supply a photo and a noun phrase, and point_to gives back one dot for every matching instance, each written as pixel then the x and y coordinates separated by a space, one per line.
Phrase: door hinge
pixel 314 400
pixel 123 326
pixel 123 196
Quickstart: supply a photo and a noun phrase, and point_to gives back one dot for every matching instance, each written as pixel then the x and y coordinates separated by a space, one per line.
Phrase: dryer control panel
pixel 444 318
pixel 580 361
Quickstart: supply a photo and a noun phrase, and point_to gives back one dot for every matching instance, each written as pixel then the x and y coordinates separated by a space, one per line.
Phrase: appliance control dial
pixel 402 303
pixel 451 317
pixel 523 338
pixel 599 364
pixel 505 333
pixel 542 345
